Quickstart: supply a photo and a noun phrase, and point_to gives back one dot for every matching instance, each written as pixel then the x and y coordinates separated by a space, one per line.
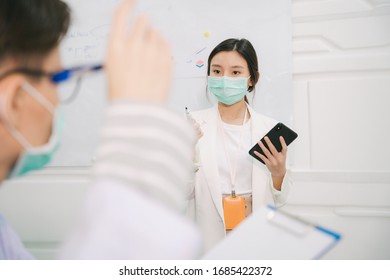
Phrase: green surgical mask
pixel 228 90
pixel 36 158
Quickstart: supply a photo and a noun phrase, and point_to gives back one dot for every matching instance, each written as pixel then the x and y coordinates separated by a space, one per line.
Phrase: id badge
pixel 233 210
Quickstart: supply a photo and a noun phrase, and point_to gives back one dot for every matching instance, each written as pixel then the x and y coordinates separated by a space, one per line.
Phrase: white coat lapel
pixel 208 157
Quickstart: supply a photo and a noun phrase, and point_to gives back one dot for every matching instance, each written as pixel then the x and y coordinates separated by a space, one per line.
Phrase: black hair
pixel 30 29
pixel 246 50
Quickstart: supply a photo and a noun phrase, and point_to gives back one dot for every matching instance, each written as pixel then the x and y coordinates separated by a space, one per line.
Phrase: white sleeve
pixel 148 147
pixel 280 197
pixel 135 208
pixel 121 222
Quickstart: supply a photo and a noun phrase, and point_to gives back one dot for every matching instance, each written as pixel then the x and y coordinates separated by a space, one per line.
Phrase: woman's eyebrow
pixel 238 66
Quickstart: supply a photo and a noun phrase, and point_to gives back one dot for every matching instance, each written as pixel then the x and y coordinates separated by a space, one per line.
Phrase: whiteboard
pixel 193 29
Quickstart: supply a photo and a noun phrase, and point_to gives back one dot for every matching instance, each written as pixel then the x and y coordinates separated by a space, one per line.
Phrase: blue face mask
pixel 228 90
pixel 36 158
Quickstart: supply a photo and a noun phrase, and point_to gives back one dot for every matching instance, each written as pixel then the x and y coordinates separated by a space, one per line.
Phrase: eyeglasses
pixel 72 77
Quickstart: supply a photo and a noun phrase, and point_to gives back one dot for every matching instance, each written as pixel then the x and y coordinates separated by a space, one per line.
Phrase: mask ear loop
pixel 38 97
pixel 249 92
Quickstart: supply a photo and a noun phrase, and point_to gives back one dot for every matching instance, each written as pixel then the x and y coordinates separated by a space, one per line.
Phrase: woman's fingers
pixel 266 152
pixel 263 158
pixel 284 145
pixel 271 146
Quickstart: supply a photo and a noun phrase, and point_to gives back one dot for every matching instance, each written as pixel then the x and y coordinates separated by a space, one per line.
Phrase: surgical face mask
pixel 228 90
pixel 35 158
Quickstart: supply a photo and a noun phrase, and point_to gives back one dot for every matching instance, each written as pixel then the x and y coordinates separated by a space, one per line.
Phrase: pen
pixel 189 115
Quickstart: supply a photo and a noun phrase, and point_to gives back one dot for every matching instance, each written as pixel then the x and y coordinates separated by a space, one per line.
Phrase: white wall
pixel 341 74
pixel 341 60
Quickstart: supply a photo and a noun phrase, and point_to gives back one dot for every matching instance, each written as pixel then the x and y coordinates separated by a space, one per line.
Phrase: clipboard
pixel 272 234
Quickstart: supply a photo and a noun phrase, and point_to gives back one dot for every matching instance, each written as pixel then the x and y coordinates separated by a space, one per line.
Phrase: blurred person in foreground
pixel 134 206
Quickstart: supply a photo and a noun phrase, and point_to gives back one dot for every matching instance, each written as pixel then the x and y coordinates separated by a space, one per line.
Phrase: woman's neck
pixel 233 114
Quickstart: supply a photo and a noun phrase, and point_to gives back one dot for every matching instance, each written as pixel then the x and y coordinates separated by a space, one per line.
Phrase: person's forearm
pixel 277 182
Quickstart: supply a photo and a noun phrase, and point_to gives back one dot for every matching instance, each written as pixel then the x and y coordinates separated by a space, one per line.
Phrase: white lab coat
pixel 206 200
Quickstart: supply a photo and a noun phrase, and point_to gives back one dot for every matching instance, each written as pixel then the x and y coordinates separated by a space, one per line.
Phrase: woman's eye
pixel 236 73
pixel 216 71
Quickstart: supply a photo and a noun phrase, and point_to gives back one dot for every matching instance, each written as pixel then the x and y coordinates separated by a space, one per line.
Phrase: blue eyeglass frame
pixel 55 77
pixel 66 74
pixel 58 77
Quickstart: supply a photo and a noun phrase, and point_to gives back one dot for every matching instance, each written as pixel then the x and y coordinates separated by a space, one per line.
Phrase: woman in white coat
pixel 229 130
